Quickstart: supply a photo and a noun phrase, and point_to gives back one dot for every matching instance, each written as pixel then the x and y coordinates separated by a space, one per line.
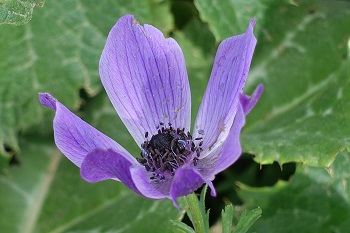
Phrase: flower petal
pixel 186 181
pixel 107 164
pixel 227 153
pixel 74 137
pixel 248 102
pixel 218 108
pixel 145 77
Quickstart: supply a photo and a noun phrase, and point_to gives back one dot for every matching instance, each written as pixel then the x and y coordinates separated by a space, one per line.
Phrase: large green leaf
pixel 198 46
pixel 58 52
pixel 302 60
pixel 304 113
pixel 230 17
pixel 315 200
pixel 247 219
pixel 17 12
pixel 45 193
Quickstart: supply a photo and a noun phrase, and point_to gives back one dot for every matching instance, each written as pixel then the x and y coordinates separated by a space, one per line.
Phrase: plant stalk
pixel 194 209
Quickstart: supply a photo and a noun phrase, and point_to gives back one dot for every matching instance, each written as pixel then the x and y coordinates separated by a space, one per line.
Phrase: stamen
pixel 167 150
pixel 195 161
pixel 198 151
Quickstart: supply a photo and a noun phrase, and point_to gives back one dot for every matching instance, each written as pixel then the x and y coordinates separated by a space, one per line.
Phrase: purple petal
pixel 141 181
pixel 74 137
pixel 248 102
pixel 107 164
pixel 227 153
pixel 186 181
pixel 47 100
pixel 145 77
pixel 218 108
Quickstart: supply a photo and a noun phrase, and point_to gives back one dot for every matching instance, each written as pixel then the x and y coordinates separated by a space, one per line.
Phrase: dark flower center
pixel 168 150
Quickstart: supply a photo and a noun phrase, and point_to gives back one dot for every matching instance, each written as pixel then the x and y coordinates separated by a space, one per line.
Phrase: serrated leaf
pixel 18 12
pixel 183 227
pixel 204 212
pixel 247 219
pixel 302 60
pixel 230 17
pixel 315 200
pixel 58 52
pixel 45 193
pixel 227 216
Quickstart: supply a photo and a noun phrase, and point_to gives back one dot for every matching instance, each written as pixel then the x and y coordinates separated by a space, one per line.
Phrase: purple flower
pixel 145 77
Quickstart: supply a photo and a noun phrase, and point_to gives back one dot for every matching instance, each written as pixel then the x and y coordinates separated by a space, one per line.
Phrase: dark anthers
pixel 168 150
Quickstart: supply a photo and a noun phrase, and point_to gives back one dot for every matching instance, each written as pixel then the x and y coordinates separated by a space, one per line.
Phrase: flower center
pixel 168 150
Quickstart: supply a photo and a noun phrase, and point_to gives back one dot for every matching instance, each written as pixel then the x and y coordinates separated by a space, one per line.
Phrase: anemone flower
pixel 145 77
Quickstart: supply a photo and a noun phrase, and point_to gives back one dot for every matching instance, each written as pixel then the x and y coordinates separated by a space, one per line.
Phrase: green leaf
pixel 248 218
pixel 45 193
pixel 227 216
pixel 302 59
pixel 230 17
pixel 183 227
pixel 195 212
pixel 315 200
pixel 198 46
pixel 58 52
pixel 18 12
pixel 204 212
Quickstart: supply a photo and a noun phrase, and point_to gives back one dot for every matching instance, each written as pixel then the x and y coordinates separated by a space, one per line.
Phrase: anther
pixel 167 150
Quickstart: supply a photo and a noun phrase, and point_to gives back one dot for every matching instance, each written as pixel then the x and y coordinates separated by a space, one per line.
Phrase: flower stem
pixel 195 212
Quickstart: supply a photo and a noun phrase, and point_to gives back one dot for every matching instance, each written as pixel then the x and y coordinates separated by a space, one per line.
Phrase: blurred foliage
pixel 46 194
pixel 302 58
pixel 315 200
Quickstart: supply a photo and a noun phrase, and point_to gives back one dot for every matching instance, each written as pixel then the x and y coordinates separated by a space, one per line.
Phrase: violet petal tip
pixel 212 189
pixel 176 204
pixel 47 100
pixel 252 22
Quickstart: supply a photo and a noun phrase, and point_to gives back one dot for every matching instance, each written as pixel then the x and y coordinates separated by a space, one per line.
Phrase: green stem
pixel 194 209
